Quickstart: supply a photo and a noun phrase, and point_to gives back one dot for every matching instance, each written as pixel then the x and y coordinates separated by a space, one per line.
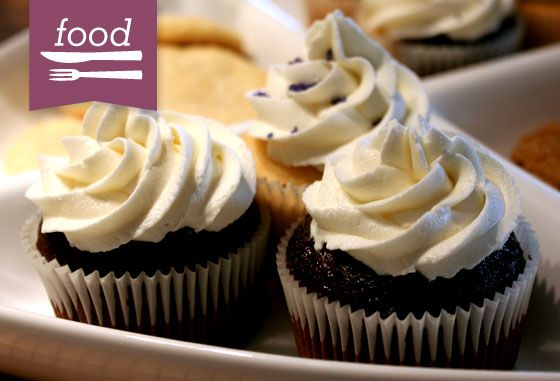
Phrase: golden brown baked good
pixel 279 187
pixel 539 153
pixel 206 80
pixel 184 30
pixel 274 171
pixel 542 21
pixel 318 9
pixel 13 17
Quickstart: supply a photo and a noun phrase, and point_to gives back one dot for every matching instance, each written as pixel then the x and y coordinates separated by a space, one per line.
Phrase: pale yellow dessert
pixel 185 30
pixel 207 80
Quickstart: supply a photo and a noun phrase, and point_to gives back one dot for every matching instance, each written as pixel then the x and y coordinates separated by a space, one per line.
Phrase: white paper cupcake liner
pixel 326 329
pixel 427 59
pixel 284 202
pixel 159 304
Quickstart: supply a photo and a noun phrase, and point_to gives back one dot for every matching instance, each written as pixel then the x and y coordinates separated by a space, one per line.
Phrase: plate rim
pixel 239 358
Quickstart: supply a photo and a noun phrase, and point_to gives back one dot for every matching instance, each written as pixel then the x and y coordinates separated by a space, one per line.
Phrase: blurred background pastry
pixel 13 17
pixel 42 139
pixel 539 153
pixel 433 36
pixel 542 21
pixel 318 9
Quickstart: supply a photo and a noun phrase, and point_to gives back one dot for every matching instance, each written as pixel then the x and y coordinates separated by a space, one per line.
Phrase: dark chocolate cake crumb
pixel 294 130
pixel 295 61
pixel 185 247
pixel 270 135
pixel 337 275
pixel 260 93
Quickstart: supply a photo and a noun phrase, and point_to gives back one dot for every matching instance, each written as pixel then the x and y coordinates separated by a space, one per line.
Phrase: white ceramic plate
pixel 500 101
pixel 34 344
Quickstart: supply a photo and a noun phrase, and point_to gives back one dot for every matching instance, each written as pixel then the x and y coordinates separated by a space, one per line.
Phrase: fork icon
pixel 73 74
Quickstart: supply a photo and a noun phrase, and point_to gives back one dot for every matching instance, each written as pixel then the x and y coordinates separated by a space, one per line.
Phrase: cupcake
pixel 317 107
pixel 150 225
pixel 414 252
pixel 432 36
pixel 542 21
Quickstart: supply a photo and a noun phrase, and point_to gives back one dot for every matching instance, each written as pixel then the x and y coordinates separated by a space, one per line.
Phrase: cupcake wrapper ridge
pixel 483 336
pixel 183 304
pixel 427 59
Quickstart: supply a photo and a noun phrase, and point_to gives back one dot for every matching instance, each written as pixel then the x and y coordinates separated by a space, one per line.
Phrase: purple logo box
pixel 94 50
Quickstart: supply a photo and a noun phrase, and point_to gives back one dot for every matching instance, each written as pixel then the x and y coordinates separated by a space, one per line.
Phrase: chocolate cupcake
pixel 430 37
pixel 317 106
pixel 414 252
pixel 150 225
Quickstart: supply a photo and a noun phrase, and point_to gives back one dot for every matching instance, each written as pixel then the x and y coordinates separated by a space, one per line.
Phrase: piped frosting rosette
pixel 137 175
pixel 417 19
pixel 345 86
pixel 414 199
pixel 476 30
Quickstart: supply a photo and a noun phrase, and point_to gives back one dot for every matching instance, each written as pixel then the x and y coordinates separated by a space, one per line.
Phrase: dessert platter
pixel 355 284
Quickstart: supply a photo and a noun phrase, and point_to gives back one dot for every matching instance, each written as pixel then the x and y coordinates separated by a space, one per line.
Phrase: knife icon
pixel 76 57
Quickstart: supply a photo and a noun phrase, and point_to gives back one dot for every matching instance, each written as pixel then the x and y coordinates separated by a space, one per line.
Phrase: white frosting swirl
pixel 465 20
pixel 137 175
pixel 413 199
pixel 345 86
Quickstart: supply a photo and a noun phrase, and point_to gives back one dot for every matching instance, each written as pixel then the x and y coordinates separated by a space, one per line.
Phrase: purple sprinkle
pixel 301 86
pixel 260 93
pixel 294 130
pixel 270 135
pixel 330 56
pixel 375 122
pixel 295 61
pixel 337 100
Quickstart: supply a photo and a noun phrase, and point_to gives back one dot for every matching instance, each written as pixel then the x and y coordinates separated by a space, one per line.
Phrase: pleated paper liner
pixel 427 59
pixel 283 201
pixel 486 336
pixel 216 303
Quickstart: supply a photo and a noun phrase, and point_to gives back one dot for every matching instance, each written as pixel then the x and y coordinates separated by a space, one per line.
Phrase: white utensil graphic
pixel 73 74
pixel 76 57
